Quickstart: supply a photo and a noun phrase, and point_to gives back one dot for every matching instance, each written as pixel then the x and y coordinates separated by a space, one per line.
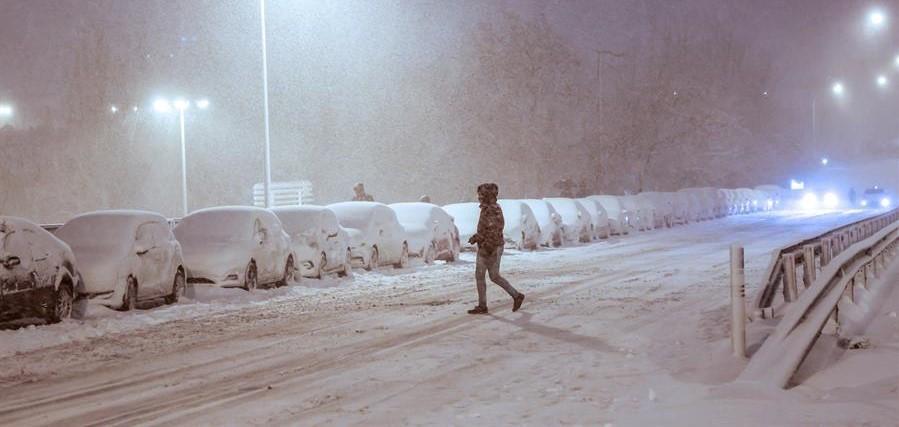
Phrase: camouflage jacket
pixel 490 228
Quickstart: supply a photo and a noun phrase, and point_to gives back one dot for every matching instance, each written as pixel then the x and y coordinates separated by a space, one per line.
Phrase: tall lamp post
pixel 164 106
pixel 267 183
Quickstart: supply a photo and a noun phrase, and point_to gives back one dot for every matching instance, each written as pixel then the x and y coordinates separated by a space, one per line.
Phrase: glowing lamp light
pixel 864 203
pixel 181 104
pixel 885 202
pixel 162 105
pixel 831 201
pixel 882 81
pixel 809 201
pixel 5 110
pixel 203 104
pixel 877 18
pixel 838 89
pixel 796 185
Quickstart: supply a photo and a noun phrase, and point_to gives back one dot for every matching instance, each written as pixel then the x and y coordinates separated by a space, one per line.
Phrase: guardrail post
pixel 790 290
pixel 826 251
pixel 737 301
pixel 808 265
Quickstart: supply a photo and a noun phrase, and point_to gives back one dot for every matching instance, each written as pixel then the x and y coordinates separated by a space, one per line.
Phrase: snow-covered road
pixel 609 333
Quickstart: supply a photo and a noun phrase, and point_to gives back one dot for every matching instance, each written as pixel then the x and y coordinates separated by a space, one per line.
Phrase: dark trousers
pixel 489 263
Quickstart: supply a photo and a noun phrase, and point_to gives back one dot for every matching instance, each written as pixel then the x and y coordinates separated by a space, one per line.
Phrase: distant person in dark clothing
pixel 425 199
pixel 490 241
pixel 360 195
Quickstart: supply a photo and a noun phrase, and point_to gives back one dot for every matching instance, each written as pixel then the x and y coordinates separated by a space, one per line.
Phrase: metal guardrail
pixel 802 260
pixel 839 280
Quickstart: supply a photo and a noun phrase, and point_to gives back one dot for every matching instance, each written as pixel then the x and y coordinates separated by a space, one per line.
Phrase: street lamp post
pixel 180 104
pixel 267 182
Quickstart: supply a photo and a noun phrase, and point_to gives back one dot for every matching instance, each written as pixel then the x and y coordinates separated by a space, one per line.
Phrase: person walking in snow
pixel 490 241
pixel 359 194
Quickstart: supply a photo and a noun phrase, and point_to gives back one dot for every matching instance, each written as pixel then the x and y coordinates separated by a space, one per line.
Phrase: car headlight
pixel 831 200
pixel 809 201
pixel 864 203
pixel 885 202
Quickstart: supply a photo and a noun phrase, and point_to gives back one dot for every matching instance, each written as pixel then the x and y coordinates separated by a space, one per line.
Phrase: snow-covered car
pixel 575 219
pixel 520 230
pixel 320 244
pixel 430 231
pixel 376 236
pixel 235 247
pixel 38 274
pixel 701 206
pixel 774 196
pixel 680 207
pixel 618 215
pixel 663 208
pixel 126 257
pixel 549 220
pixel 639 212
pixel 599 218
pixel 465 216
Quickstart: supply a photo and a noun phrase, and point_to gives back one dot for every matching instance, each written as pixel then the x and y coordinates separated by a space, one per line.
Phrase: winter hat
pixel 489 190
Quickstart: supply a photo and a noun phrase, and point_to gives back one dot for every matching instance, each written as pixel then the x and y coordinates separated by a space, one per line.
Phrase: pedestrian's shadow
pixel 586 341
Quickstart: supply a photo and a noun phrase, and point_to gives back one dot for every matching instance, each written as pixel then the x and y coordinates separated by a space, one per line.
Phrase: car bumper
pixel 21 300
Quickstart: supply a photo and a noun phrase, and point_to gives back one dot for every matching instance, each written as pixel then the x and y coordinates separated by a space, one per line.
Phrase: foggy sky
pixel 384 92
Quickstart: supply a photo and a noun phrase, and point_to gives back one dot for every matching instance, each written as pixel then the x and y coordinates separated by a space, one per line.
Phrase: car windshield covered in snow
pixel 216 226
pixel 297 220
pixel 354 214
pixel 99 230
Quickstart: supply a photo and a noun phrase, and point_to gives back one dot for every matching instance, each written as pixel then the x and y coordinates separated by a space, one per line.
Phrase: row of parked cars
pixel 122 258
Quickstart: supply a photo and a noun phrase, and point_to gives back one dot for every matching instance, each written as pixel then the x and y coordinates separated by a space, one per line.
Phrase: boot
pixel 516 302
pixel 478 310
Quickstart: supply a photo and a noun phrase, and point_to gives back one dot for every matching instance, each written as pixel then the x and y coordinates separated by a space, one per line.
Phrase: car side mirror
pixel 11 262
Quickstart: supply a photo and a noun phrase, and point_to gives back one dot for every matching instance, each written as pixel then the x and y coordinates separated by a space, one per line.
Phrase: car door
pixel 280 246
pixel 262 252
pixel 166 244
pixel 148 261
pixel 17 249
pixel 331 238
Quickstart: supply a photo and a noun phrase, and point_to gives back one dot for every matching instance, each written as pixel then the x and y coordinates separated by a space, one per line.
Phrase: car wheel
pixel 129 300
pixel 322 261
pixel 347 265
pixel 251 279
pixel 374 261
pixel 404 257
pixel 177 289
pixel 289 271
pixel 456 249
pixel 430 253
pixel 61 305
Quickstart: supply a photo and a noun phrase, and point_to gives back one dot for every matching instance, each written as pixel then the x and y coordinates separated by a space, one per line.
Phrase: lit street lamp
pixel 5 110
pixel 824 161
pixel 163 106
pixel 882 81
pixel 838 89
pixel 877 19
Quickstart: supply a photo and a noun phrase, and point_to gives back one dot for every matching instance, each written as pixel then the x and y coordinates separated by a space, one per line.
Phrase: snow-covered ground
pixel 628 331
